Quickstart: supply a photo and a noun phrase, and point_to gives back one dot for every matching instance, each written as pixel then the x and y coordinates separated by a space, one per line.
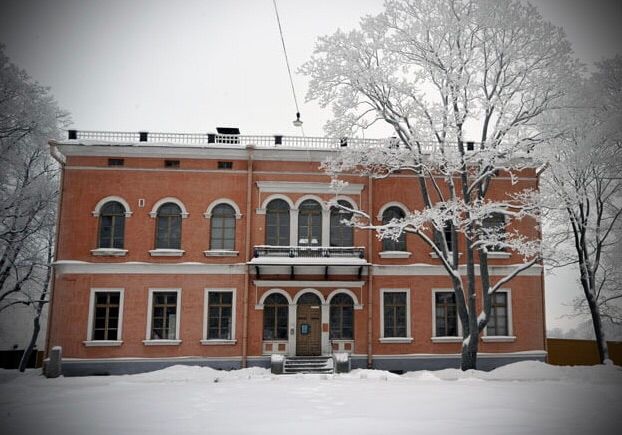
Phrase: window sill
pixel 218 342
pixel 499 254
pixel 450 254
pixel 395 254
pixel 109 252
pixel 498 338
pixel 166 252
pixel 395 340
pixel 161 342
pixel 446 339
pixel 102 343
pixel 220 253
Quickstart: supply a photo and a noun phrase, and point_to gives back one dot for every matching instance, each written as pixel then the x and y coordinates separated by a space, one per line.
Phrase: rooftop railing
pixel 207 139
pixel 308 251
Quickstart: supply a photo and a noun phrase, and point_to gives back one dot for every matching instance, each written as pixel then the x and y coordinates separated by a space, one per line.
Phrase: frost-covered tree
pixel 29 116
pixel 583 195
pixel 440 72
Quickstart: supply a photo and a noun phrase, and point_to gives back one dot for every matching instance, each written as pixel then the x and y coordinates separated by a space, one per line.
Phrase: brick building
pixel 220 250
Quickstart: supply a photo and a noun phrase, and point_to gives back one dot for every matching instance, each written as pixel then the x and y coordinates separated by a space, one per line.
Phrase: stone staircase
pixel 308 364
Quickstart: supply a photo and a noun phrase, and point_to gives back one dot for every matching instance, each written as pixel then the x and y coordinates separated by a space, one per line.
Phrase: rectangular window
pixel 116 162
pixel 220 315
pixel 498 324
pixel 171 164
pixel 105 318
pixel 445 313
pixel 395 314
pixel 225 165
pixel 164 322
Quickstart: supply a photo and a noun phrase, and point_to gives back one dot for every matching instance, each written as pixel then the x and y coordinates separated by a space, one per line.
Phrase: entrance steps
pixel 308 364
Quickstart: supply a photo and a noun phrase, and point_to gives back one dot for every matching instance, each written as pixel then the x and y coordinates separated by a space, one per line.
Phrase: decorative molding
pixel 306 187
pixel 218 342
pixel 166 252
pixel 446 339
pixel 109 252
pixel 265 202
pixel 395 254
pixel 498 338
pixel 433 254
pixel 154 210
pixel 271 291
pixel 102 343
pixel 83 267
pixel 398 340
pixel 123 202
pixel 434 269
pixel 392 204
pixel 308 290
pixel 220 253
pixel 499 254
pixel 161 342
pixel 309 283
pixel 208 211
pixel 355 299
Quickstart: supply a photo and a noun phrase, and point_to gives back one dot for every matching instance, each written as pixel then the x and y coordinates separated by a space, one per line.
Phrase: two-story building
pixel 221 250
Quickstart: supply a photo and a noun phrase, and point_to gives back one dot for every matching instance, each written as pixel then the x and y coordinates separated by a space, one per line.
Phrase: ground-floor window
pixel 395 314
pixel 164 315
pixel 275 317
pixel 342 317
pixel 106 306
pixel 220 315
pixel 498 320
pixel 446 314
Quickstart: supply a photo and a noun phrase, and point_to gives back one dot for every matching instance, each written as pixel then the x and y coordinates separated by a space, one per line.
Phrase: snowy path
pixel 186 400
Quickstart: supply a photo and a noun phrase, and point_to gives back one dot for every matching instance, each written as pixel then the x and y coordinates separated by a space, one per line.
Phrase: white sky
pixel 194 65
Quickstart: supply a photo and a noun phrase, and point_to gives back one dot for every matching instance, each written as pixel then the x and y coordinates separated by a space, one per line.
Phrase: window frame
pixel 90 341
pixel 115 218
pixel 275 319
pixel 341 311
pixel 217 218
pixel 445 338
pixel 286 221
pixel 484 223
pixel 339 227
pixel 214 341
pixel 169 217
pixel 510 337
pixel 409 337
pixel 310 228
pixel 390 243
pixel 167 341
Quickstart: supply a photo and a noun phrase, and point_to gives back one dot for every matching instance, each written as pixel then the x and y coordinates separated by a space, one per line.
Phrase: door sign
pixel 305 328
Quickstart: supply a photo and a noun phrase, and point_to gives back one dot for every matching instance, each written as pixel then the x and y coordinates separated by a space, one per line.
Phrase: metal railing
pixel 308 251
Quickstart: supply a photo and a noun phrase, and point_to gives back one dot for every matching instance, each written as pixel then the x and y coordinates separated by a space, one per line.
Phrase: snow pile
pixel 184 373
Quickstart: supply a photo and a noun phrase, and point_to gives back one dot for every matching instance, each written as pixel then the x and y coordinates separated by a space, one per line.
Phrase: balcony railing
pixel 309 252
pixel 207 139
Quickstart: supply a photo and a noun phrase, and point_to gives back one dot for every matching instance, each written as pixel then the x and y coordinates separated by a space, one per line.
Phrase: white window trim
pixel 148 341
pixel 408 338
pixel 395 254
pixel 450 254
pixel 161 252
pixel 210 208
pixel 97 210
pixel 357 305
pixel 392 204
pixel 499 254
pixel 262 299
pixel 444 338
pixel 502 338
pixel 89 342
pixel 207 291
pixel 220 253
pixel 109 252
pixel 154 210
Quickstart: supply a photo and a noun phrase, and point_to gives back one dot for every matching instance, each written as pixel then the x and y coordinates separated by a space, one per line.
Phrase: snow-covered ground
pixel 522 398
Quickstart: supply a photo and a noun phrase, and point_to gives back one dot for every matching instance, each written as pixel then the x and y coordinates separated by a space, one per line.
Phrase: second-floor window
pixel 310 223
pixel 168 227
pixel 277 223
pixel 223 228
pixel 389 244
pixel 340 233
pixel 111 225
pixel 495 225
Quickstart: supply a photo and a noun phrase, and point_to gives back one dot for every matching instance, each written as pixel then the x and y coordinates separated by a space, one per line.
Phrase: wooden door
pixel 308 330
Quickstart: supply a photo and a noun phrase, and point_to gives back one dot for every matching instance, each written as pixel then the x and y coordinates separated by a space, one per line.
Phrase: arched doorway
pixel 309 325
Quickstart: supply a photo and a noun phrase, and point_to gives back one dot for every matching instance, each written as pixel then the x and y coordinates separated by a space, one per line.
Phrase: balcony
pixel 308 260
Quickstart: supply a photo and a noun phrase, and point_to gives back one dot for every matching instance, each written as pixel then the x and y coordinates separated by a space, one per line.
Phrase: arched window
pixel 341 234
pixel 168 227
pixel 277 223
pixel 391 244
pixel 223 228
pixel 341 317
pixel 275 317
pixel 111 225
pixel 310 223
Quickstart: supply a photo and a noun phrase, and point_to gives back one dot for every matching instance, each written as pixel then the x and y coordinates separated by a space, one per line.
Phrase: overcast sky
pixel 194 65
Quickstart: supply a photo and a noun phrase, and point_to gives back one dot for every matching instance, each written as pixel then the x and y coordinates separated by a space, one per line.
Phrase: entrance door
pixel 308 326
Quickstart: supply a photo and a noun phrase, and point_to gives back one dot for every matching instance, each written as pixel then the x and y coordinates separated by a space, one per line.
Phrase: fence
pixel 567 352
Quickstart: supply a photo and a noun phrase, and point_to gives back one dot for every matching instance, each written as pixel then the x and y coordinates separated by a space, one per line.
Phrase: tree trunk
pixel 601 343
pixel 469 354
pixel 33 340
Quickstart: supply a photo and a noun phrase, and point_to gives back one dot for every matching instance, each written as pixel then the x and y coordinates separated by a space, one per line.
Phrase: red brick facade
pixel 257 174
